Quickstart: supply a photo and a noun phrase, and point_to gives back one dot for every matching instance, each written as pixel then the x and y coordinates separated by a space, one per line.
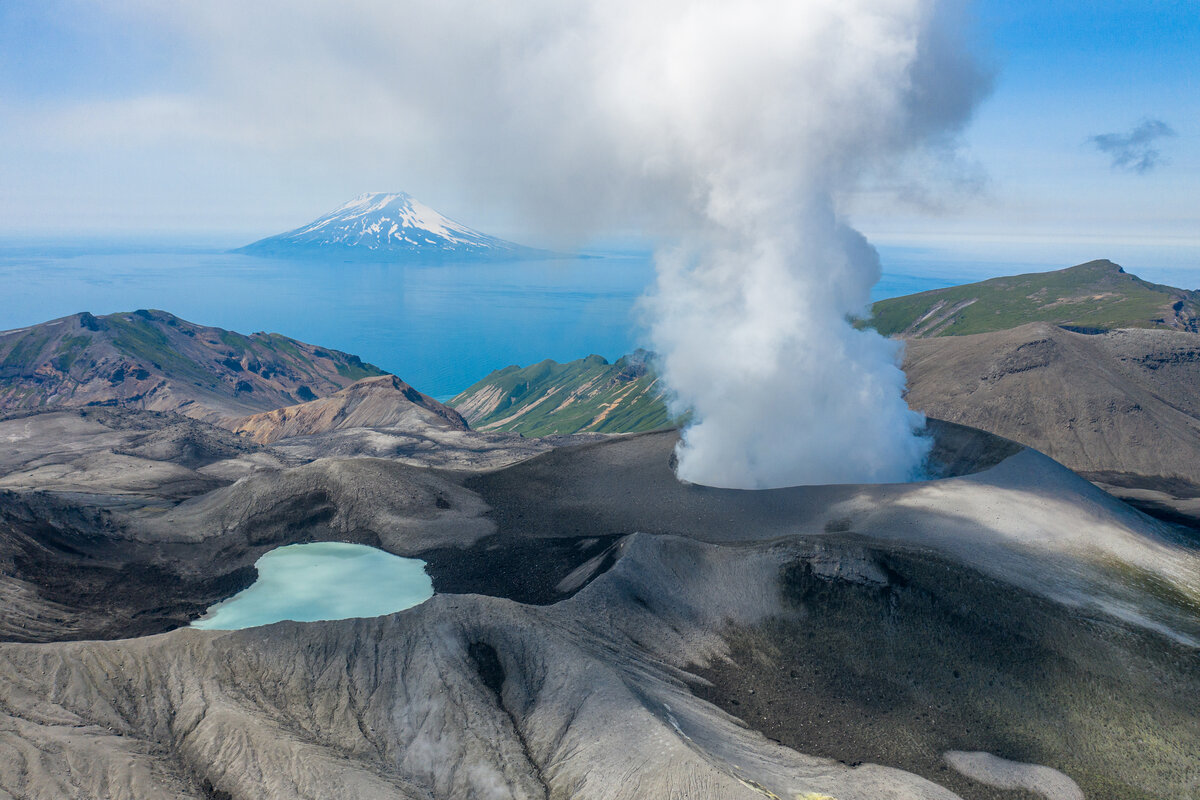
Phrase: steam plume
pixel 732 132
pixel 750 314
pixel 771 112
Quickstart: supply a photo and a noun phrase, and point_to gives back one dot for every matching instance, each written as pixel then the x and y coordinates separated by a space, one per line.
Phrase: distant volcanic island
pixel 383 226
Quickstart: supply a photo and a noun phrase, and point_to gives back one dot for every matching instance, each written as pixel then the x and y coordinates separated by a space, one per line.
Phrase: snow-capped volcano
pixel 387 225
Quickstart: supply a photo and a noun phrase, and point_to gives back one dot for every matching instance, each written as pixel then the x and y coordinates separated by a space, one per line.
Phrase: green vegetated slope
pixel 587 395
pixel 592 395
pixel 1098 295
pixel 155 360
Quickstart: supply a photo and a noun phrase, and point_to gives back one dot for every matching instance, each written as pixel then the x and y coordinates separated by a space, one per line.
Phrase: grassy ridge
pixel 586 395
pixel 1098 295
pixel 593 395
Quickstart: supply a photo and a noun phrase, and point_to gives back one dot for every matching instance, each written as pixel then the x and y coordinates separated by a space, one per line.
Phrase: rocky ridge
pixel 156 361
pixel 382 402
pixel 1119 407
pixel 614 683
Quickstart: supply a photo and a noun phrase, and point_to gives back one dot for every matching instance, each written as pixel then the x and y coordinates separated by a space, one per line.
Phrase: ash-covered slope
pixel 1016 610
pixel 1121 407
pixel 475 696
pixel 1098 295
pixel 119 522
pixel 157 361
pixel 387 226
pixel 383 402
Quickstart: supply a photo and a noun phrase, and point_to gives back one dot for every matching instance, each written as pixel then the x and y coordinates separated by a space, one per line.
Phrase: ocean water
pixel 322 581
pixel 441 327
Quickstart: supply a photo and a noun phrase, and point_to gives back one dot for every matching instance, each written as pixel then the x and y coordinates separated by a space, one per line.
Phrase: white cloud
pixel 1136 151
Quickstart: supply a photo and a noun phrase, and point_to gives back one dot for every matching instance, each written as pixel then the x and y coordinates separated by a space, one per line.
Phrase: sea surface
pixel 439 326
pixel 322 581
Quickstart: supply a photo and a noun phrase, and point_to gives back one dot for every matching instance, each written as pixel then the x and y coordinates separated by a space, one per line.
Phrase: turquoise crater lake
pixel 322 581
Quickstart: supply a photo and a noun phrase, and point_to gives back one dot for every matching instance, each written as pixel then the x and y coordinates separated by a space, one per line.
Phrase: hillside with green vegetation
pixel 157 361
pixel 592 395
pixel 1096 296
pixel 589 395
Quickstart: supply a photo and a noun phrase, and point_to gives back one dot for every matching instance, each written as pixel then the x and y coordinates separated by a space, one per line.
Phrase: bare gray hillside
pixel 600 629
pixel 1121 407
pixel 382 402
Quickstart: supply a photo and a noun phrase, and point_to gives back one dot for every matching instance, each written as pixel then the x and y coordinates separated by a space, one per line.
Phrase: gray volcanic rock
pixel 1025 520
pixel 466 696
pixel 1120 407
pixel 116 522
pixel 474 696
pixel 383 402
pixel 433 447
pixel 616 624
pixel 157 361
pixel 144 456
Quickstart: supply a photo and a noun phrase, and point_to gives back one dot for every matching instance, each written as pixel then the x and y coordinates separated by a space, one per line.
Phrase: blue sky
pixel 1065 72
pixel 127 117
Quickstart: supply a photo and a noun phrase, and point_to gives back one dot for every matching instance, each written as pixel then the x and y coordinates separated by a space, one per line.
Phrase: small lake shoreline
pixel 322 581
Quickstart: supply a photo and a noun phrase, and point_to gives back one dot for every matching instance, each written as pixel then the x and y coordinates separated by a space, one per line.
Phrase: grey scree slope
pixel 593 690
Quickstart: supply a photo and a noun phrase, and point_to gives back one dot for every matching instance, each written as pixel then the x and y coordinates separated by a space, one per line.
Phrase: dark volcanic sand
pixel 524 570
pixel 944 658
